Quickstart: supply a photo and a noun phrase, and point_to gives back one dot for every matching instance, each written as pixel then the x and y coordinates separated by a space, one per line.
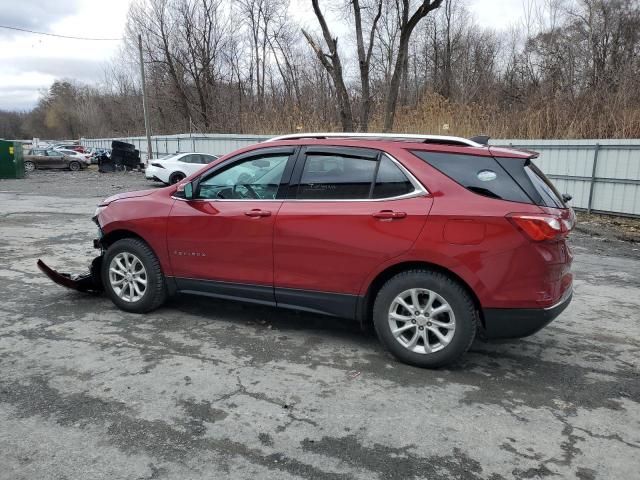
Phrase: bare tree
pixel 333 65
pixel 407 25
pixel 364 60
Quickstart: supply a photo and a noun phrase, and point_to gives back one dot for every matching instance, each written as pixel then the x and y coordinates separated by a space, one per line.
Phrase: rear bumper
pixel 521 322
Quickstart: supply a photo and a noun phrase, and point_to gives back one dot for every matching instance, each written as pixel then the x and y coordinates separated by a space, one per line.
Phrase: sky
pixel 30 63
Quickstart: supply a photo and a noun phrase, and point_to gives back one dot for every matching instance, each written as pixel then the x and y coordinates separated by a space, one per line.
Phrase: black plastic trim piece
pixel 520 322
pixel 284 190
pixel 325 303
pixel 233 291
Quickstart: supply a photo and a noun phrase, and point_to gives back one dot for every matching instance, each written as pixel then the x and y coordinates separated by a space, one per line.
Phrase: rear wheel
pixel 176 177
pixel 425 318
pixel 74 166
pixel 29 166
pixel 132 276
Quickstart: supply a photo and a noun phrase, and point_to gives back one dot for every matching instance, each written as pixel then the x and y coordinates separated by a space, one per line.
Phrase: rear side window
pixel 190 159
pixel 481 175
pixel 207 158
pixel 391 181
pixel 336 177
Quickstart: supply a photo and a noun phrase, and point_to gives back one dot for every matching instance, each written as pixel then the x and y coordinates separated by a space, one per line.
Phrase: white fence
pixel 216 144
pixel 602 175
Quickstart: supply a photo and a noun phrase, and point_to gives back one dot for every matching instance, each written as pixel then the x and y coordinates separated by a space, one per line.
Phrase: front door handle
pixel 256 212
pixel 389 215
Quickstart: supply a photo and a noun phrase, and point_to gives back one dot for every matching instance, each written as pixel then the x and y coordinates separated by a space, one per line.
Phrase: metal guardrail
pixel 602 175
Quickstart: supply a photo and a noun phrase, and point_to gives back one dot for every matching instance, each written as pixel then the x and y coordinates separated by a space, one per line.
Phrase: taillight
pixel 155 164
pixel 540 227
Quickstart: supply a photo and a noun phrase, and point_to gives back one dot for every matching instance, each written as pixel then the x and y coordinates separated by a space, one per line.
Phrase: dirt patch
pixel 609 226
pixel 607 235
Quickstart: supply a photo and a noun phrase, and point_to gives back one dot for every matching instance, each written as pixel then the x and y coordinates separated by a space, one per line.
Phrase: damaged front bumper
pixel 88 282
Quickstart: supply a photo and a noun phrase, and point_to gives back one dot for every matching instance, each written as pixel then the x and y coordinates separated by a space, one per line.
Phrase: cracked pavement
pixel 210 389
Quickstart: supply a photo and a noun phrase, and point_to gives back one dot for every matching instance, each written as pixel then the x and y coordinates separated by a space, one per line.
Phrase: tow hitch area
pixel 89 282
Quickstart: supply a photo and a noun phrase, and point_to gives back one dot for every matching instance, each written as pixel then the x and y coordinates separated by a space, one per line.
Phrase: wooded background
pixel 569 69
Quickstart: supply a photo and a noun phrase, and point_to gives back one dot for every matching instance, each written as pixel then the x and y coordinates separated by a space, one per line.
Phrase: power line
pixel 59 36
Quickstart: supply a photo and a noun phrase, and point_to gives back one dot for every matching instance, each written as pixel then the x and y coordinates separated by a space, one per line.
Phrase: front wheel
pixel 176 177
pixel 132 276
pixel 74 166
pixel 425 318
pixel 29 166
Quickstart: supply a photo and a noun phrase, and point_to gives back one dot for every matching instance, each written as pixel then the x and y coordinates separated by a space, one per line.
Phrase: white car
pixel 81 157
pixel 173 168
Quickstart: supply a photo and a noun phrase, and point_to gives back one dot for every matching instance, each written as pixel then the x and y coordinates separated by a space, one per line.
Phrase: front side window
pixel 336 177
pixel 254 178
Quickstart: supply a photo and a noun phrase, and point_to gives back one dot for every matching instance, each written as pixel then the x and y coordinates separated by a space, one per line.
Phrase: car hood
pixel 122 196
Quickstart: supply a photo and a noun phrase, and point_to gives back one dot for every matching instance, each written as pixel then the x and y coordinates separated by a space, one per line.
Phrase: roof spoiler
pixel 481 139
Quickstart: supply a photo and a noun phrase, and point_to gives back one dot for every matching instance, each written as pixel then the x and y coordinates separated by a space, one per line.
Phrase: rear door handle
pixel 256 212
pixel 389 214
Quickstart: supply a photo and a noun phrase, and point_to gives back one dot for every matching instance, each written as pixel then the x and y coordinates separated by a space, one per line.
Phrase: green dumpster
pixel 11 161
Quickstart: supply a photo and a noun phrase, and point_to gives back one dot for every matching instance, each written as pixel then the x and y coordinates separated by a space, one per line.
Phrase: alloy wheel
pixel 421 320
pixel 128 277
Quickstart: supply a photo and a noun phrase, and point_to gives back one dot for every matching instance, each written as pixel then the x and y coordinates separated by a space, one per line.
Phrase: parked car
pixel 49 158
pixel 432 239
pixel 76 155
pixel 173 168
pixel 70 146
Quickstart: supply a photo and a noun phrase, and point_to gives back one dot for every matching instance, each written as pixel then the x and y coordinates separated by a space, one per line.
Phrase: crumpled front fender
pixel 88 282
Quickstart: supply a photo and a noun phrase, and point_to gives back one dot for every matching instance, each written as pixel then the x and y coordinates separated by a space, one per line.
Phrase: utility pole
pixel 144 102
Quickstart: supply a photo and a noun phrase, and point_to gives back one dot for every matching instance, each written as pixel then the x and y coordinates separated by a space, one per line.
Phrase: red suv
pixel 434 239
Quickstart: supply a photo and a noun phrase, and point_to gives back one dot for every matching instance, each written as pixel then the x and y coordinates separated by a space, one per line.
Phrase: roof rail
pixel 442 139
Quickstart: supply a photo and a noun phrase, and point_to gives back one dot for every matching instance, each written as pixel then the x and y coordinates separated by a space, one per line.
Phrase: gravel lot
pixel 212 389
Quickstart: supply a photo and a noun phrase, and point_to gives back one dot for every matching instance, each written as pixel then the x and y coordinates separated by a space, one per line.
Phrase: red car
pixel 433 239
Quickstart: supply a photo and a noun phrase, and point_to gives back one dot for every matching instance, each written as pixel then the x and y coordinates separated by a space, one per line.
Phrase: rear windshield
pixel 511 179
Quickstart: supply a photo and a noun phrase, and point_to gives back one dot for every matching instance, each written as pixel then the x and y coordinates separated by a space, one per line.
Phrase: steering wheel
pixel 250 189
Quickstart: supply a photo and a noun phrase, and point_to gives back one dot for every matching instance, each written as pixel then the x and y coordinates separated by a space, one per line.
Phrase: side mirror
pixel 188 190
pixel 566 197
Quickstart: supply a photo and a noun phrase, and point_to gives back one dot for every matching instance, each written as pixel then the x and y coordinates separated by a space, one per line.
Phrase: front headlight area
pixel 95 219
pixel 99 209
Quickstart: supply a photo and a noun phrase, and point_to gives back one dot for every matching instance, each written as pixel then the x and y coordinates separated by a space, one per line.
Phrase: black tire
pixel 155 293
pixel 75 166
pixel 176 177
pixel 466 317
pixel 118 145
pixel 29 166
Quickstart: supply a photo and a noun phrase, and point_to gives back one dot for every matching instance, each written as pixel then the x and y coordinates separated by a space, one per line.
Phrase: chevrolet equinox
pixel 433 239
